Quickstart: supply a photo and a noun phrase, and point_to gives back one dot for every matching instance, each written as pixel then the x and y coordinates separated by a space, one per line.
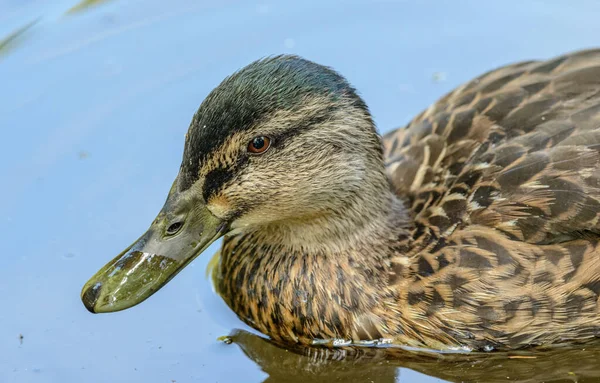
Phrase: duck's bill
pixel 149 263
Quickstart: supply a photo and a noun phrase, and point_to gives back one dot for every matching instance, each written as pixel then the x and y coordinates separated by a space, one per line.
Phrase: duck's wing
pixel 502 177
pixel 516 149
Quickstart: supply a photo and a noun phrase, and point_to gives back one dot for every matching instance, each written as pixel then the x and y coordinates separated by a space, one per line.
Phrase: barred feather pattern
pixel 502 176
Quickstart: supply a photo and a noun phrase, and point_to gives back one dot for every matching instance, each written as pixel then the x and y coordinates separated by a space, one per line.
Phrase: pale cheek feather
pixel 219 206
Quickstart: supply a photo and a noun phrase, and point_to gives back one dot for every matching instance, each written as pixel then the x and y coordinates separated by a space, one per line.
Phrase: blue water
pixel 93 110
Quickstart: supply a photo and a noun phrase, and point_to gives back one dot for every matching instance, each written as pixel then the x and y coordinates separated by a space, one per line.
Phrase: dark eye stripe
pixel 216 178
pixel 214 181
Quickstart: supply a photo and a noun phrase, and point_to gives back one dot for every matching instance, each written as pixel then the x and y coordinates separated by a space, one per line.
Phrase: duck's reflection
pixel 581 364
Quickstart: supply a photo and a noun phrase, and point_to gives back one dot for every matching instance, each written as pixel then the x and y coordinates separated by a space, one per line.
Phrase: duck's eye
pixel 259 145
pixel 174 228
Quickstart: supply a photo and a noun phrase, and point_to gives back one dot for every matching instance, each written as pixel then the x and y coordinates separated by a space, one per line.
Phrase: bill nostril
pixel 90 296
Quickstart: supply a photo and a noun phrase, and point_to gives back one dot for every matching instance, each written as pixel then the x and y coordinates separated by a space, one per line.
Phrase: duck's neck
pixel 318 277
pixel 364 222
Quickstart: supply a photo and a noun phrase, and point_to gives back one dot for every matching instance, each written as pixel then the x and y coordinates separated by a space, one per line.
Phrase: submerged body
pixel 474 227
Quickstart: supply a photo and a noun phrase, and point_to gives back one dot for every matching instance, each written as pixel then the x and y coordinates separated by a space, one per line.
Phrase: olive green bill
pixel 150 262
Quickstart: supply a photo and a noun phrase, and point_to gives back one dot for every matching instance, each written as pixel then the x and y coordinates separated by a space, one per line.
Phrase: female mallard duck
pixel 475 227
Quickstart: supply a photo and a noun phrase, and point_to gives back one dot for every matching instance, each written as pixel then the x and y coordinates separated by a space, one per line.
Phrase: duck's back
pixel 502 177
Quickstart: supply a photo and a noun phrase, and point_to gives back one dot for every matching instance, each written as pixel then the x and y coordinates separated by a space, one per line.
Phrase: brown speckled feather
pixel 502 176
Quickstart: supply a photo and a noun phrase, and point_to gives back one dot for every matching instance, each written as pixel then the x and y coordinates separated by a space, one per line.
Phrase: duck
pixel 475 227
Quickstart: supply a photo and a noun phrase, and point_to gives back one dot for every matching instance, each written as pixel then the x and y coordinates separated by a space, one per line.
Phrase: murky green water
pixel 95 99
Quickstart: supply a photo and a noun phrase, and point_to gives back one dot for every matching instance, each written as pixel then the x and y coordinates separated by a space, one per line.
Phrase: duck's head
pixel 283 140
